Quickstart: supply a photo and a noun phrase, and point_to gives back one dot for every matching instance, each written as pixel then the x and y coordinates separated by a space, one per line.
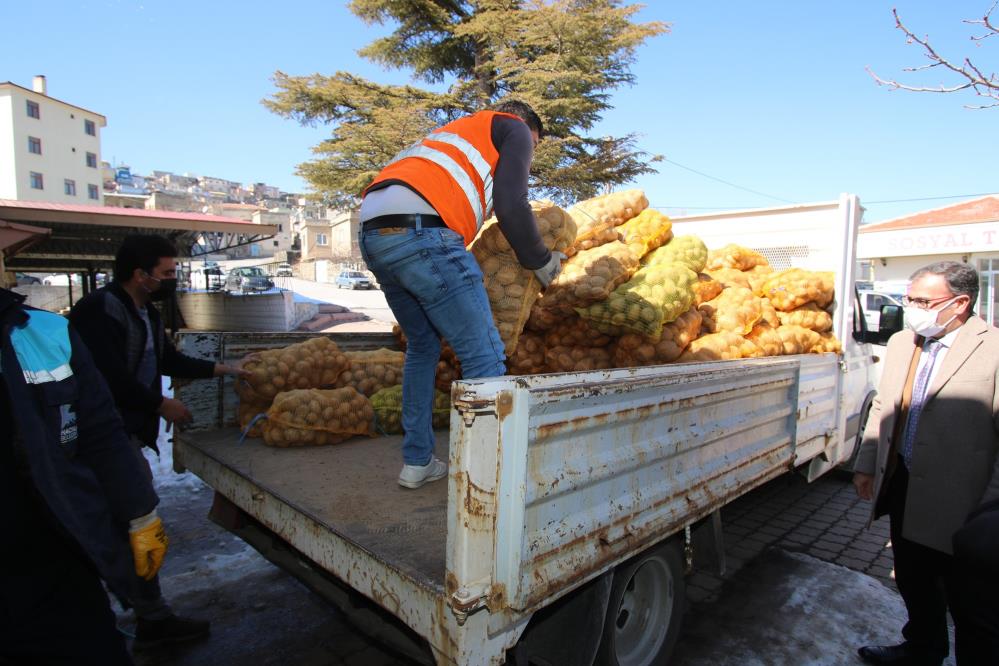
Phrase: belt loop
pixel 419 223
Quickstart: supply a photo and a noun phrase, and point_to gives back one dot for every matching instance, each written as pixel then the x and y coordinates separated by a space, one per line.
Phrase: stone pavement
pixel 824 519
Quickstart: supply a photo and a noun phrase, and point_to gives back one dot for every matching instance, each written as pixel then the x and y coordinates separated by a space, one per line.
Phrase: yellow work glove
pixel 149 544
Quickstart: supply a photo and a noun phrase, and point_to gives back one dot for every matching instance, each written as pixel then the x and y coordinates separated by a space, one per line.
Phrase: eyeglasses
pixel 924 303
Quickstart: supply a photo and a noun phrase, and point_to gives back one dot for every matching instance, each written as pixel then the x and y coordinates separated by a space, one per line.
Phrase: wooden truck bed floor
pixel 350 488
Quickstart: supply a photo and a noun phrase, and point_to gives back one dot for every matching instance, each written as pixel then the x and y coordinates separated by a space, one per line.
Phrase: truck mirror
pixel 891 319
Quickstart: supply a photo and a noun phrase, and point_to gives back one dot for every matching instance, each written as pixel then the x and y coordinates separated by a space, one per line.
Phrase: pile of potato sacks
pixel 630 294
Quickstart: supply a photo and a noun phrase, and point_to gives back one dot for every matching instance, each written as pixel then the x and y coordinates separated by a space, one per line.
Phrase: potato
pixel 529 356
pixel 706 288
pixel 730 277
pixel 573 331
pixel 647 231
pixel 798 340
pixel 766 339
pixel 590 276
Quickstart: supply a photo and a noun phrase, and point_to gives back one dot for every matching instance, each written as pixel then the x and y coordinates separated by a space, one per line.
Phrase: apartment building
pixel 50 150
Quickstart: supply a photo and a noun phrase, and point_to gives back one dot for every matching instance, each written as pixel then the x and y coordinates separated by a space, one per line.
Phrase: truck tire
pixel 645 610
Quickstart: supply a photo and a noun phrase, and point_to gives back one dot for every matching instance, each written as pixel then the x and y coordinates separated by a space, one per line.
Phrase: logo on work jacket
pixel 67 428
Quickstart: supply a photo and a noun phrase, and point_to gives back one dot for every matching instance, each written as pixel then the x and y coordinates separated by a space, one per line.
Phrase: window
pixel 321 239
pixel 70 187
pixel 33 110
pixel 92 160
pixel 89 127
pixel 93 192
pixel 34 145
pixel 275 243
pixel 36 181
pixel 280 227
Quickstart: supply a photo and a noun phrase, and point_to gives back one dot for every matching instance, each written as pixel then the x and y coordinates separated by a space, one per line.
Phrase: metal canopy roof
pixel 86 238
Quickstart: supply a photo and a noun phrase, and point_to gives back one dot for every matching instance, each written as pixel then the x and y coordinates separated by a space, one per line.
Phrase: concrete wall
pixel 219 311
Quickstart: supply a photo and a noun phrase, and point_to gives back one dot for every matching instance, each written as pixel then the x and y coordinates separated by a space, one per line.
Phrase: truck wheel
pixel 645 610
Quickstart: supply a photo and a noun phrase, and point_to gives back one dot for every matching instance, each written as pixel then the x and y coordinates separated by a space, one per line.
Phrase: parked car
pixel 248 278
pixel 24 278
pixel 60 279
pixel 871 302
pixel 284 270
pixel 353 280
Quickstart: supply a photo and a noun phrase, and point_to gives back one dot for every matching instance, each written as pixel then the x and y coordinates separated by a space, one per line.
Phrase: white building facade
pixel 968 232
pixel 50 150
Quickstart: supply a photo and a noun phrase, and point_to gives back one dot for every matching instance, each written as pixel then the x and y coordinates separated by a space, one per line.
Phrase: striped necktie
pixel 918 397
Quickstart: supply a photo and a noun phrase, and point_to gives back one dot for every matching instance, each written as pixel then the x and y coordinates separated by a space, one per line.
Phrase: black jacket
pixel 109 323
pixel 73 464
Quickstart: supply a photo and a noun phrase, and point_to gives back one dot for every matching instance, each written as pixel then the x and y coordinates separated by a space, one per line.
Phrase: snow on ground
pixel 790 608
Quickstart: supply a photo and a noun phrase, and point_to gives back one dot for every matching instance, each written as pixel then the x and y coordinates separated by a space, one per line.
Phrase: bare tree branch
pixel 983 85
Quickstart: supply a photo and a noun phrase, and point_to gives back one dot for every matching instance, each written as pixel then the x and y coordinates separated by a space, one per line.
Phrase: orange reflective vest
pixel 452 168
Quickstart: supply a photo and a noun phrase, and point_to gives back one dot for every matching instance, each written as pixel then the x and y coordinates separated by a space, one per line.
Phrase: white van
pixel 871 302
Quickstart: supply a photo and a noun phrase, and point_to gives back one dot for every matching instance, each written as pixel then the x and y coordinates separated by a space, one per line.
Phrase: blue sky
pixel 770 96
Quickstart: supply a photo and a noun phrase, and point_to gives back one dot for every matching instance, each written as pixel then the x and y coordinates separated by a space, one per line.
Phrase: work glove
pixel 149 544
pixel 547 273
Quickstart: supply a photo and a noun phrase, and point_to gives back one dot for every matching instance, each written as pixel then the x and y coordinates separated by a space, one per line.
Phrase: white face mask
pixel 924 322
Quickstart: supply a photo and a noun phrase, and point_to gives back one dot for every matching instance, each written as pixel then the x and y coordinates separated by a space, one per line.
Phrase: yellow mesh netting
pixel 687 250
pixel 314 417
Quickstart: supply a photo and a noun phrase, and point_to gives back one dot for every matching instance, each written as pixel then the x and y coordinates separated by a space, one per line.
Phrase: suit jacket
pixel 955 466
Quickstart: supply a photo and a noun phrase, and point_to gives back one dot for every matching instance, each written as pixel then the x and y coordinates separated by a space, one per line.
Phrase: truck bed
pixel 349 489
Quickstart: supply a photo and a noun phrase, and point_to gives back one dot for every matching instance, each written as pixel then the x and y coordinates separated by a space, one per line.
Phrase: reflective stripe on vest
pixel 456 171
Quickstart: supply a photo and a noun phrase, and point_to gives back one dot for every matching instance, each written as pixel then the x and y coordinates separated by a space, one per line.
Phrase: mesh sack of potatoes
pixel 574 331
pixel 371 371
pixel 687 250
pixel 706 288
pixel 311 364
pixel 769 313
pixel 735 309
pixel 595 216
pixel 828 342
pixel 757 275
pixel 448 369
pixel 730 277
pixel 632 349
pixel 724 345
pixel 314 417
pixel 529 356
pixel 246 412
pixel 590 276
pixel 601 237
pixel 793 287
pixel 655 296
pixel 647 231
pixel 735 256
pixel 577 359
pixel 387 407
pixel 766 339
pixel 544 317
pixel 808 315
pixel 513 289
pixel 798 339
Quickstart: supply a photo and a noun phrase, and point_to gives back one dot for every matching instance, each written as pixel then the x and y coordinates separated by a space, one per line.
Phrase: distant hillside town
pixel 52 149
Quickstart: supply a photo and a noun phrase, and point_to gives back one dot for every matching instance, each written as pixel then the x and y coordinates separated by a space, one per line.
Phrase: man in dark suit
pixel 929 453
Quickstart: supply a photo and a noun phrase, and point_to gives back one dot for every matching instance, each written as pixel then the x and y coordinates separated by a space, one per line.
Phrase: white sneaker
pixel 414 476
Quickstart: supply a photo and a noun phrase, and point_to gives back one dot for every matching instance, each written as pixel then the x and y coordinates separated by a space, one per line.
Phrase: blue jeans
pixel 434 287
